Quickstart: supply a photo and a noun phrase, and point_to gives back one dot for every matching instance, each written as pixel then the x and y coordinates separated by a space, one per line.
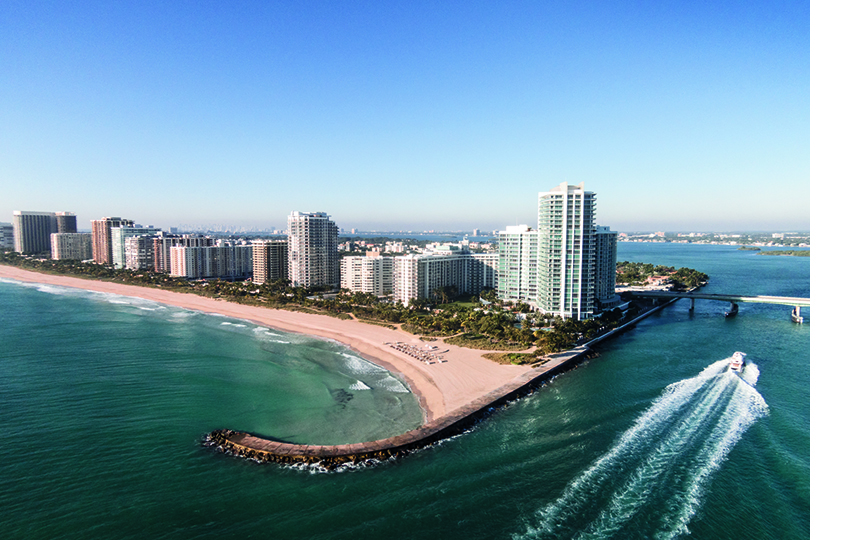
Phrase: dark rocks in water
pixel 341 396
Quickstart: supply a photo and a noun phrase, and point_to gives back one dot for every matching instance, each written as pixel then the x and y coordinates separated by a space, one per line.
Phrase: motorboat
pixel 737 361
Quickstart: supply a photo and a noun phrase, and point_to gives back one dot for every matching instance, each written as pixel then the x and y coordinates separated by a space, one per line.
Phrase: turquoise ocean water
pixel 104 401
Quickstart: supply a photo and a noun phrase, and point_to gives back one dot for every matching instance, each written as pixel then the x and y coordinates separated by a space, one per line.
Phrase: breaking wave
pixel 359 385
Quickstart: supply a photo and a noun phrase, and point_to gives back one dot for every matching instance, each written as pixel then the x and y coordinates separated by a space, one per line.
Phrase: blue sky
pixel 417 115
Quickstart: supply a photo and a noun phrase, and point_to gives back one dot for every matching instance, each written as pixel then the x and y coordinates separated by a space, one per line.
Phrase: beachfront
pixel 441 387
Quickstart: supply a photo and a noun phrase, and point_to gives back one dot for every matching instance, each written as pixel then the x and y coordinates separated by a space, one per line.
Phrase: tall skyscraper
pixel 32 231
pixel 269 260
pixel 566 251
pixel 101 241
pixel 569 256
pixel 312 250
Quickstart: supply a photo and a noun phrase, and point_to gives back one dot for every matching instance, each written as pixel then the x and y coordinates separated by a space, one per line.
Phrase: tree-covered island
pixel 636 273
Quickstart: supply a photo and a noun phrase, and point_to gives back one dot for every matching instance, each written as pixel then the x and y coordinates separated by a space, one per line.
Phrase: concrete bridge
pixel 734 299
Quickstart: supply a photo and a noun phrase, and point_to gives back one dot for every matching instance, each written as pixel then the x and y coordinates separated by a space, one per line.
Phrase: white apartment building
pixel 370 274
pixel 518 264
pixel 394 247
pixel 77 246
pixel 419 275
pixel 224 261
pixel 313 259
pixel 139 252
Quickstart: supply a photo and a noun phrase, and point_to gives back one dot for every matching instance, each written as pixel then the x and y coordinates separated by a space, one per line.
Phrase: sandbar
pixel 440 387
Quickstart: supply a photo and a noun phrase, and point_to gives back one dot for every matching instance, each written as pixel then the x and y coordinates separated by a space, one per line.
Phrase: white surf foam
pixel 391 384
pixel 359 386
pixel 358 365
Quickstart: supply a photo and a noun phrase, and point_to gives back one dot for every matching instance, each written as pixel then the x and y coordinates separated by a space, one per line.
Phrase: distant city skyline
pixel 422 117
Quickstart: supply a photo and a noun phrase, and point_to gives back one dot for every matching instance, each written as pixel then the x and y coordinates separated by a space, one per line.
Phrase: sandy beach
pixel 441 387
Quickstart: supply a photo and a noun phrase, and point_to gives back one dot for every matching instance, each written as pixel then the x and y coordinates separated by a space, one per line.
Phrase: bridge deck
pixel 733 298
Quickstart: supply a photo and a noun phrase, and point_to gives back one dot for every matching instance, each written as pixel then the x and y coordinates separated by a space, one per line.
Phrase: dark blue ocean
pixel 104 402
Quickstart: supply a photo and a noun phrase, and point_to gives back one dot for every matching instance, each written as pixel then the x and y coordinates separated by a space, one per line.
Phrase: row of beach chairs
pixel 429 357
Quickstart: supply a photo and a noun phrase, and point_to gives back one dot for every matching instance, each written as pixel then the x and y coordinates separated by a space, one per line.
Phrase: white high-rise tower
pixel 565 252
pixel 562 268
pixel 312 250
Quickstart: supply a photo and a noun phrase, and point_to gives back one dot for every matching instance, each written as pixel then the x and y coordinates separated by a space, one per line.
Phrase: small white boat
pixel 737 361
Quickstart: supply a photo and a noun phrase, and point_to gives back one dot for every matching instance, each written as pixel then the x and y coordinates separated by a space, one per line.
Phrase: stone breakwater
pixel 263 450
pixel 248 446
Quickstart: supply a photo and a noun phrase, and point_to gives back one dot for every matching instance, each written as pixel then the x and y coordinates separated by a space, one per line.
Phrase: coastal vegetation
pixel 512 358
pixel 782 252
pixel 788 252
pixel 480 322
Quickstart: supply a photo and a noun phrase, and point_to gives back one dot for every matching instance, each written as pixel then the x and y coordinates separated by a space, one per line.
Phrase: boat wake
pixel 653 479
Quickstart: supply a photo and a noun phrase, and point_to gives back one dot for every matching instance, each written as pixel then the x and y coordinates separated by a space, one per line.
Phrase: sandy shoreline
pixel 440 388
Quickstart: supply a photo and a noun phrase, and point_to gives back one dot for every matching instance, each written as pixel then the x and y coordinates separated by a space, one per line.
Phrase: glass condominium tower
pixel 566 252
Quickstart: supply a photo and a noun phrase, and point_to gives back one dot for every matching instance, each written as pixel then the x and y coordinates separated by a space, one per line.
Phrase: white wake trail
pixel 664 459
